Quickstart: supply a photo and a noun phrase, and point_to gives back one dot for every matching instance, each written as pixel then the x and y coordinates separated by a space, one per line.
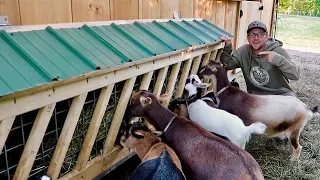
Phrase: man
pixel 266 66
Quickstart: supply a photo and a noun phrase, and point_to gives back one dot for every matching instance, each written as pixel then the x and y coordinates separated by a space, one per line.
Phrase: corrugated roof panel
pixel 33 58
pixel 125 44
pixel 214 29
pixel 167 36
pixel 192 31
pixel 15 72
pixel 146 39
pixel 198 29
pixel 181 33
pixel 41 50
pixel 91 47
pixel 161 37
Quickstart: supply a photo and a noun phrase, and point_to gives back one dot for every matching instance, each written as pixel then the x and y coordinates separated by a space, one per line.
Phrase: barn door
pixel 249 11
pixel 267 14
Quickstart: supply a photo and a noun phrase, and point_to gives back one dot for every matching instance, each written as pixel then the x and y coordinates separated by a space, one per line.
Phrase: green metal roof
pixel 33 58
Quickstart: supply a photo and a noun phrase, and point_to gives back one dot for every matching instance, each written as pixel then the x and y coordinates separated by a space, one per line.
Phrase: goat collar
pixel 167 127
pixel 222 90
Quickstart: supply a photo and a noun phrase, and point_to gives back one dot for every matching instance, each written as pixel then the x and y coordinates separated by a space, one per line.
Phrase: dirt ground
pixel 272 153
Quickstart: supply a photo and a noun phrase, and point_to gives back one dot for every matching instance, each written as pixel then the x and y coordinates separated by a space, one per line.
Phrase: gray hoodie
pixel 261 76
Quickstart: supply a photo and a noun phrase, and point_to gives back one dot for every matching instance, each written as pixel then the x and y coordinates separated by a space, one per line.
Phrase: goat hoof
pixel 296 154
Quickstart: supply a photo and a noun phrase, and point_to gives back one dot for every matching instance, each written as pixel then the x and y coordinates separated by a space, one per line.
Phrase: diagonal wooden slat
pixel 196 64
pixel 145 83
pixel 213 55
pixel 66 135
pixel 33 143
pixel 183 77
pixel 213 86
pixel 118 115
pixel 205 59
pixel 94 127
pixel 160 80
pixel 172 82
pixel 5 127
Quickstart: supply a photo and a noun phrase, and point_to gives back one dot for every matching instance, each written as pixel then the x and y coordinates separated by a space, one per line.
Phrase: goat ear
pixel 204 85
pixel 138 134
pixel 145 101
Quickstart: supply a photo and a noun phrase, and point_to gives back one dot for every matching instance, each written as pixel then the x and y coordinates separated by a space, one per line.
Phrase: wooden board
pixel 251 13
pixel 167 8
pixel 66 136
pixel 214 12
pixel 267 13
pixel 5 127
pixel 231 19
pixel 220 13
pixel 94 127
pixel 33 143
pixel 124 9
pixel 186 9
pixel 203 9
pixel 90 10
pixel 44 12
pixel 149 9
pixel 10 8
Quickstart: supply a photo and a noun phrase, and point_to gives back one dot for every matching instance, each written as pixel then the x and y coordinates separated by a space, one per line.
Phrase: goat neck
pixel 159 117
pixel 222 81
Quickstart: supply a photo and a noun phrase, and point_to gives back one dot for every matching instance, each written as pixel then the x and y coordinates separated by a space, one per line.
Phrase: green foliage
pixel 301 7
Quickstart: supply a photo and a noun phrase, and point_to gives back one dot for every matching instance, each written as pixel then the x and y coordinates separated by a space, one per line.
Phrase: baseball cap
pixel 257 24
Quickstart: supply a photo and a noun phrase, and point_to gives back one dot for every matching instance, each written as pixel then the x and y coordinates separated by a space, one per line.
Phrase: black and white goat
pixel 216 120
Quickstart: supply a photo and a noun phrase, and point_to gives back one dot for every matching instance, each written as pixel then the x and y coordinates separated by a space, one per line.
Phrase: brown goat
pixel 151 150
pixel 203 156
pixel 285 116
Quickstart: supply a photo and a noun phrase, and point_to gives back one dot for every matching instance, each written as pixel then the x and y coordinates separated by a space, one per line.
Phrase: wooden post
pixel 206 59
pixel 172 81
pixel 94 127
pixel 118 115
pixel 33 143
pixel 195 65
pixel 5 127
pixel 160 80
pixel 213 55
pixel 146 80
pixel 145 85
pixel 183 77
pixel 66 136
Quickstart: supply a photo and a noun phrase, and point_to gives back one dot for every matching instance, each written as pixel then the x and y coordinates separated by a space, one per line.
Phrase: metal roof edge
pixel 90 23
pixel 52 84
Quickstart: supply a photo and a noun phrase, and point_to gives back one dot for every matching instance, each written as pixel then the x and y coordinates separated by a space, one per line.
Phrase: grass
pixel 299 31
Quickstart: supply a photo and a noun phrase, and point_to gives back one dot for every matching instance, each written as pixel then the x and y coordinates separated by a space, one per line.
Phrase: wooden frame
pixel 44 98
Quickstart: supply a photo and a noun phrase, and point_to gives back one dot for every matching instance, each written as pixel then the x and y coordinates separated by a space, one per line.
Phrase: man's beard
pixel 257 48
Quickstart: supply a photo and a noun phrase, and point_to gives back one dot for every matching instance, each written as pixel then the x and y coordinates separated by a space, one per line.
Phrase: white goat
pixel 216 120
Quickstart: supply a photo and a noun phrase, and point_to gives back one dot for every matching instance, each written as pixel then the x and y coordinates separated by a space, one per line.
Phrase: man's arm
pixel 228 60
pixel 282 60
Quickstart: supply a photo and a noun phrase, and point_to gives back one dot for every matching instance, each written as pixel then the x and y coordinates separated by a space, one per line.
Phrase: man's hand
pixel 268 54
pixel 226 39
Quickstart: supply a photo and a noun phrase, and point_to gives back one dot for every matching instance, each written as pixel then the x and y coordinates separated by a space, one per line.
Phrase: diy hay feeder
pixel 65 87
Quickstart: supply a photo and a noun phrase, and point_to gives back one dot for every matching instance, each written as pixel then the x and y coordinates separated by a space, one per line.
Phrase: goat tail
pixel 315 111
pixel 256 128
